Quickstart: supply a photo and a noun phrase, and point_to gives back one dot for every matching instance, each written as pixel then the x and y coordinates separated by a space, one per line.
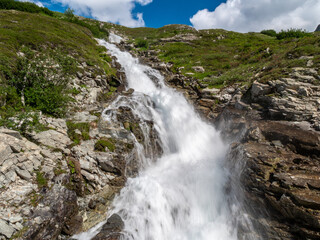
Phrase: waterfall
pixel 181 195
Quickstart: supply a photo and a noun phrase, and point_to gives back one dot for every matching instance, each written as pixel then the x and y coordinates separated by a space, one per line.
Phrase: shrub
pixel 41 89
pixel 69 13
pixel 141 43
pixel 269 32
pixel 84 129
pixel 292 33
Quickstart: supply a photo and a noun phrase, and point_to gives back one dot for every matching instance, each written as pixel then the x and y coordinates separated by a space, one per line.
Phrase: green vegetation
pixel 94 27
pixel 141 43
pixel 71 166
pixel 78 131
pixel 42 88
pixel 24 6
pixel 23 122
pixel 269 32
pixel 104 143
pixel 19 234
pixel 41 180
pixel 228 57
pixel 39 55
pixel 292 33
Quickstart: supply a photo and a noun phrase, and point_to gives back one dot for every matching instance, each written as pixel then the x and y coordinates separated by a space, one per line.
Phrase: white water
pixel 181 195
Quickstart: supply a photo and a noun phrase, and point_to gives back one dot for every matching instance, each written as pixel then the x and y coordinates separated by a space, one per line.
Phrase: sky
pixel 233 15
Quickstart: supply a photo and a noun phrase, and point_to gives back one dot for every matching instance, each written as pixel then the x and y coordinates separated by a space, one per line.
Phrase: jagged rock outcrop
pixel 317 29
pixel 275 139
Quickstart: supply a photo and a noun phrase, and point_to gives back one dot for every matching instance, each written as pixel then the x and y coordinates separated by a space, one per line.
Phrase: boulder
pixel 111 230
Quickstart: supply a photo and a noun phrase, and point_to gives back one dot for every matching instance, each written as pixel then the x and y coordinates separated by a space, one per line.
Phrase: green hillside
pixel 227 57
pixel 39 55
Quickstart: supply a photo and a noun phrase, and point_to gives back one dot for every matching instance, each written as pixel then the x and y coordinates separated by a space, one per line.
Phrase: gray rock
pixel 303 91
pixel 84 117
pixel 259 89
pixel 53 139
pixel 79 75
pixel 317 29
pixel 11 133
pixel 23 174
pixel 6 229
pixel 55 213
pixel 209 92
pixel 111 230
pixel 242 106
pixel 198 69
pixel 5 151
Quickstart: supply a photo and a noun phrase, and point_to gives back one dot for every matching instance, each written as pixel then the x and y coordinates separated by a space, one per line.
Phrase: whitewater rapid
pixel 181 195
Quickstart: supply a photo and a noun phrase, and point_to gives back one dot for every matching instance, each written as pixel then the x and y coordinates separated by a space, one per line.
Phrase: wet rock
pixel 279 174
pixel 111 230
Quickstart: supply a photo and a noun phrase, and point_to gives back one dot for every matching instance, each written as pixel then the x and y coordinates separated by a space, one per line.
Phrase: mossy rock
pixel 104 143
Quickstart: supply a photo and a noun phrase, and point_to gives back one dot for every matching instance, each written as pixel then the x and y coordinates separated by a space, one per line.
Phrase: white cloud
pixel 32 1
pixel 256 15
pixel 116 11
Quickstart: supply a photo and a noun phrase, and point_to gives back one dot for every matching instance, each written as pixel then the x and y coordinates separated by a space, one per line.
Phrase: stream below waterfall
pixel 181 195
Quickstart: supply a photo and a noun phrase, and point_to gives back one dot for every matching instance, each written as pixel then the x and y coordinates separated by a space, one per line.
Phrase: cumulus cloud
pixel 116 11
pixel 256 15
pixel 35 2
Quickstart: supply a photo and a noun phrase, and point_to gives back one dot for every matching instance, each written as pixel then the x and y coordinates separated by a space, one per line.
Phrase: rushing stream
pixel 181 195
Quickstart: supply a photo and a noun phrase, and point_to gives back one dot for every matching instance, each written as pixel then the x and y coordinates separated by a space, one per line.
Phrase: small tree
pixel 69 13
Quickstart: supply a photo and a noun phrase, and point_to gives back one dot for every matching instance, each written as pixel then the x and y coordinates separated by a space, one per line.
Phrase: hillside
pixel 62 162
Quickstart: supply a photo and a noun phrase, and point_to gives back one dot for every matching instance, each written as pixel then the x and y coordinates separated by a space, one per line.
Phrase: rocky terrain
pixel 61 180
pixel 53 186
pixel 274 135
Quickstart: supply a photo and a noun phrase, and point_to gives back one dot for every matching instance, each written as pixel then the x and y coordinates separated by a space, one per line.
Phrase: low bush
pixel 292 33
pixel 141 43
pixel 40 87
pixel 269 32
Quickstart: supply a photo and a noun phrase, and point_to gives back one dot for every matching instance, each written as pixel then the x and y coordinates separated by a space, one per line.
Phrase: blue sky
pixel 163 12
pixel 234 15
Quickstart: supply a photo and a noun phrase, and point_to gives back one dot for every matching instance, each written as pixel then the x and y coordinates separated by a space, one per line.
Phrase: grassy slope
pixel 229 57
pixel 49 46
pixel 44 33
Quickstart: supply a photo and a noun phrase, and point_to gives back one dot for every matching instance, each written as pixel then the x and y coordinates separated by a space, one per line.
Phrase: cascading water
pixel 181 195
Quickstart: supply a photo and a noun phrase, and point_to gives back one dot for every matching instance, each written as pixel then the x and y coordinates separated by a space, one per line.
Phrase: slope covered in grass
pixel 227 57
pixel 39 56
